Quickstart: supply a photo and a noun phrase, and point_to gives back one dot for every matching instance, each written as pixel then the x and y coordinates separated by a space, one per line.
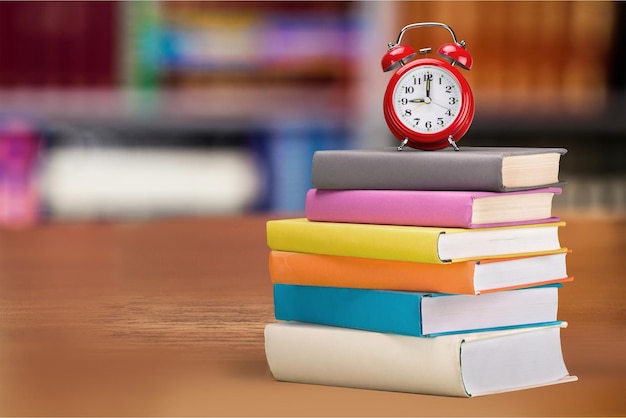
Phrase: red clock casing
pixel 437 140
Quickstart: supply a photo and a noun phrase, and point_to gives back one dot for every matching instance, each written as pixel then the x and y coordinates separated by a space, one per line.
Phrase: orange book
pixel 465 277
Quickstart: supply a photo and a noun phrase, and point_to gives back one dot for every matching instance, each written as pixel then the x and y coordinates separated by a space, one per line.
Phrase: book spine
pixel 387 242
pixel 334 356
pixel 391 207
pixel 372 310
pixel 368 273
pixel 388 171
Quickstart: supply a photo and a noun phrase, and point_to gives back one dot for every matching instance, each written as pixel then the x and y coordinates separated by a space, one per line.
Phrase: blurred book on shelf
pixel 58 44
pixel 205 42
pixel 20 141
pixel 139 183
pixel 114 173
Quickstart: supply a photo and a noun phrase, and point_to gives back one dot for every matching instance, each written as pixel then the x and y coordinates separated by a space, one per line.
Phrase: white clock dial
pixel 427 99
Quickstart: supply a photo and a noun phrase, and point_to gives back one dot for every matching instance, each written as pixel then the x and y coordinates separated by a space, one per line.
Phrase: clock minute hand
pixel 427 87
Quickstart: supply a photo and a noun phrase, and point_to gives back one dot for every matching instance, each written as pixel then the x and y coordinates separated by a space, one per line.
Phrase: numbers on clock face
pixel 427 99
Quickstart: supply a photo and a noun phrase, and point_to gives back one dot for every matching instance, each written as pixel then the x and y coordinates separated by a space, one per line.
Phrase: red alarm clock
pixel 428 103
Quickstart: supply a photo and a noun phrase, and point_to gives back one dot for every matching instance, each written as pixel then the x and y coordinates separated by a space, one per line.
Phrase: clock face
pixel 427 99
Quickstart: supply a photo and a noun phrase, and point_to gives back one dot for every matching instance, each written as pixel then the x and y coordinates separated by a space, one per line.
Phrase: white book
pixel 147 182
pixel 464 365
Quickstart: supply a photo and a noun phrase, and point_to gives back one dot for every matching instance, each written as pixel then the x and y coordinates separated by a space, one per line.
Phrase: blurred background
pixel 118 110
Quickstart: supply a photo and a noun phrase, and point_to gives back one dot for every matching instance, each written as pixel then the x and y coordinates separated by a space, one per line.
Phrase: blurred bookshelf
pixel 227 101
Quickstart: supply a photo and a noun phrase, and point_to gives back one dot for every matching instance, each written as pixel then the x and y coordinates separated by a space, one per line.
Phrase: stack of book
pixel 433 272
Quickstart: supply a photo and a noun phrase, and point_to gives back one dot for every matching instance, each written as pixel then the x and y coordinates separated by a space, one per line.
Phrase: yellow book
pixel 411 243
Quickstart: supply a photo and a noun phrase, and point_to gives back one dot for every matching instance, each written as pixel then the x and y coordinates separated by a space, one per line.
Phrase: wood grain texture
pixel 166 318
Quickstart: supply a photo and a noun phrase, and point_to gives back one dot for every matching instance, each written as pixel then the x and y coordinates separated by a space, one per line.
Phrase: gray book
pixel 496 169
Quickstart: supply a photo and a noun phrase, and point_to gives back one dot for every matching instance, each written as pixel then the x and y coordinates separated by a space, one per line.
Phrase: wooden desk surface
pixel 166 318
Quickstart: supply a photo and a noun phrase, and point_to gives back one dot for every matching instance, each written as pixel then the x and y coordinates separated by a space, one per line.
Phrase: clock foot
pixel 403 143
pixel 451 141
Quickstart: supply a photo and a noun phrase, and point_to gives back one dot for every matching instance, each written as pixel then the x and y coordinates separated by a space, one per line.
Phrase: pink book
pixel 460 209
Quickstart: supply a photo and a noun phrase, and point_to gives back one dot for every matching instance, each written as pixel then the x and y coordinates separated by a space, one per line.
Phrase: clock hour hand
pixel 427 100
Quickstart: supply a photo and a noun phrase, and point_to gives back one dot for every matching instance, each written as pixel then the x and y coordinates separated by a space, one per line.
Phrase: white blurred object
pixel 105 182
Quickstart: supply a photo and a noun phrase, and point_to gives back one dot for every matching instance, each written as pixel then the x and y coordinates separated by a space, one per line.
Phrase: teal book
pixel 415 313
